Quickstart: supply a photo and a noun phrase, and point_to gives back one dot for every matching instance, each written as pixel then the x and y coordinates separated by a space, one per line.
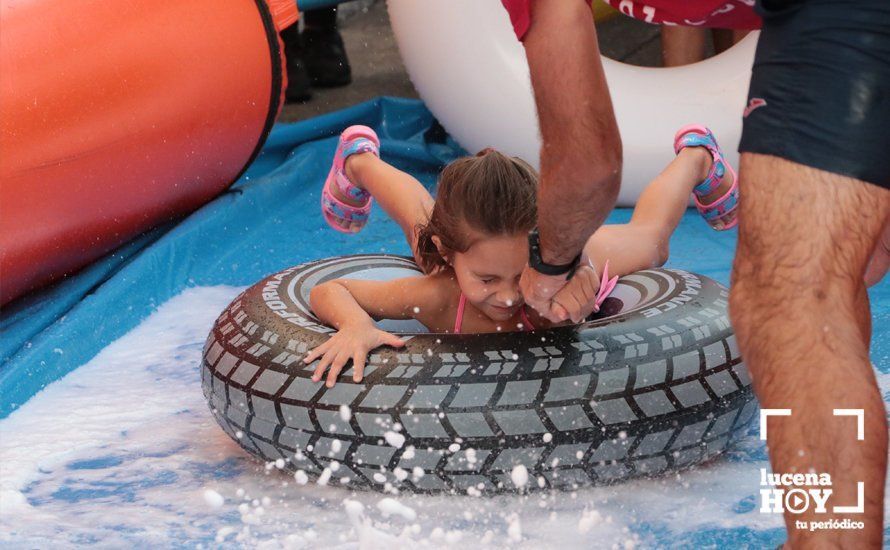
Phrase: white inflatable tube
pixel 471 71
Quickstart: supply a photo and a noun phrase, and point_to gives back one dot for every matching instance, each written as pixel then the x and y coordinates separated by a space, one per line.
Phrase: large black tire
pixel 654 383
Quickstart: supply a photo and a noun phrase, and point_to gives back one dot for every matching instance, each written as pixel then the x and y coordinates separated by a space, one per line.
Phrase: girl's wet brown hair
pixel 489 193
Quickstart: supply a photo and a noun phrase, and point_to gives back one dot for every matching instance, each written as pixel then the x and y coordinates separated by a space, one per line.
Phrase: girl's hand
pixel 558 299
pixel 538 291
pixel 577 299
pixel 349 343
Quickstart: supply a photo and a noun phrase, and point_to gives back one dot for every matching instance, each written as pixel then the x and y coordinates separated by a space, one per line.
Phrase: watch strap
pixel 538 264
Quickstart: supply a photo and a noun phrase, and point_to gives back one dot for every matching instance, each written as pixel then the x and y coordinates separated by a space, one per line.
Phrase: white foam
pixel 589 520
pixel 392 507
pixel 123 451
pixel 394 439
pixel 213 499
pixel 519 475
pixel 514 528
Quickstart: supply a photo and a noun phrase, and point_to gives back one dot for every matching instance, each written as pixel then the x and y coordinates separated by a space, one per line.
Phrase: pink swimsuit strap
pixel 462 304
pixel 526 322
pixel 459 318
pixel 607 285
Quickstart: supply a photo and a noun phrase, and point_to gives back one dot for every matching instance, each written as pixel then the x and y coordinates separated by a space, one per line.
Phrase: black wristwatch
pixel 538 264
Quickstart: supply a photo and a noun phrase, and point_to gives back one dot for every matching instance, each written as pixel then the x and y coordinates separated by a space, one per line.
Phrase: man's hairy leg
pixel 880 259
pixel 801 315
pixel 581 150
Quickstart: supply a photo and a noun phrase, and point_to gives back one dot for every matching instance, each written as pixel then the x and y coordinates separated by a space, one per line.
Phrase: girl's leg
pixel 643 242
pixel 400 195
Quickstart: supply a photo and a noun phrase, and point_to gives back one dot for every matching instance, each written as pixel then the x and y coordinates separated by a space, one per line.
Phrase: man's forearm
pixel 581 151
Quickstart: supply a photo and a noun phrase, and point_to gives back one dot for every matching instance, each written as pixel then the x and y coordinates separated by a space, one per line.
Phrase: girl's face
pixel 488 274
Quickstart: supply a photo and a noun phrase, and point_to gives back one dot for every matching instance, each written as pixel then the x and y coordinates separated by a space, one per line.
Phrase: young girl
pixel 471 241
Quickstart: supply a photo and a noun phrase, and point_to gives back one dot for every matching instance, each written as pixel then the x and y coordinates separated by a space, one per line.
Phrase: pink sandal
pixel 344 217
pixel 695 135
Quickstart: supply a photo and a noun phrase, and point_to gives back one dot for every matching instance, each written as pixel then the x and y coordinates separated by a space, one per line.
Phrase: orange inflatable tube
pixel 117 116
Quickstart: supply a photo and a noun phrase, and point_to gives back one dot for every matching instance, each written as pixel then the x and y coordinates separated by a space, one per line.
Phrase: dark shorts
pixel 820 86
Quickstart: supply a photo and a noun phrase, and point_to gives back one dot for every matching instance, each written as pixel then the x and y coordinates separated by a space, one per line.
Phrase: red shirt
pixel 717 14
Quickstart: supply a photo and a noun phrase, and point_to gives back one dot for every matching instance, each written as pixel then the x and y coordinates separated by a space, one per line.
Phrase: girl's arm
pixel 351 306
pixel 343 300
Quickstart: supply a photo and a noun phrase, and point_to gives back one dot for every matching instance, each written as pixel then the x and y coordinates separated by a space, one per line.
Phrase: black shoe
pixel 325 57
pixel 298 83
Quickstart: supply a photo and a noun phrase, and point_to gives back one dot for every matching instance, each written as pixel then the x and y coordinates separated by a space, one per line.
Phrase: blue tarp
pixel 266 221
